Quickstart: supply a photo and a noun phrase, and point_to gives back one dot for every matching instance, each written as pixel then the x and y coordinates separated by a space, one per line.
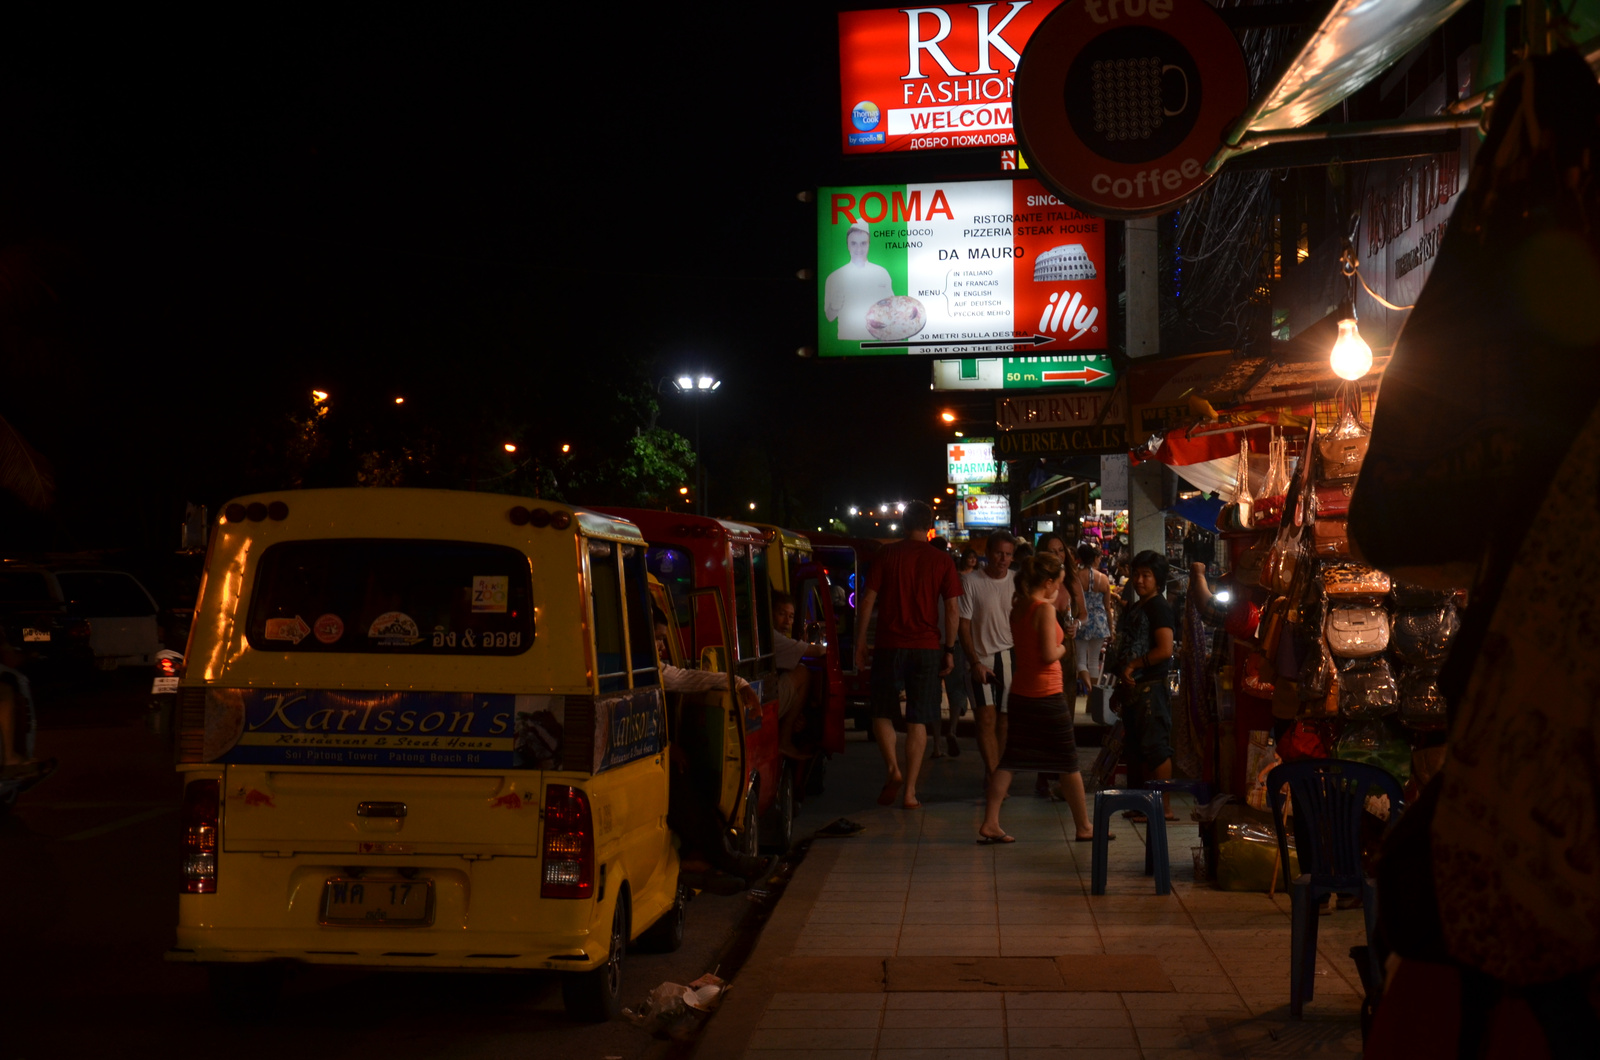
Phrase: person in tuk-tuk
pixel 705 859
pixel 794 679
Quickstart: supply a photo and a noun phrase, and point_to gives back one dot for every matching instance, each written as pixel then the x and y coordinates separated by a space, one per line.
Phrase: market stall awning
pixel 1356 41
pixel 1049 490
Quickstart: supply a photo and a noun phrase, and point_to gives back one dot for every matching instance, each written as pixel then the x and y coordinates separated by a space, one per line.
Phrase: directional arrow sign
pixel 959 344
pixel 1081 375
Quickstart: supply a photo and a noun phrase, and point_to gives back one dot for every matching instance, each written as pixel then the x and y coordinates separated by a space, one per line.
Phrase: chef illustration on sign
pixel 851 289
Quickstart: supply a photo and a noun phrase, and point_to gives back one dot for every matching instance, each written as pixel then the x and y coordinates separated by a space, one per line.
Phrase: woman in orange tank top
pixel 1040 735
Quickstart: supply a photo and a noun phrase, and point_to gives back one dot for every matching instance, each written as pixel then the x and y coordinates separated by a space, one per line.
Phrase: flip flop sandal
pixel 911 805
pixel 841 829
pixel 1089 838
pixel 995 840
pixel 890 790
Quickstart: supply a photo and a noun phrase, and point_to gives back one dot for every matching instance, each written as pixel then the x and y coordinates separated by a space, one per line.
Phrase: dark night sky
pixel 203 217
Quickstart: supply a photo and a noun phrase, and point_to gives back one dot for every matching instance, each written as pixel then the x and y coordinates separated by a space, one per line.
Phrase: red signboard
pixel 1120 103
pixel 921 78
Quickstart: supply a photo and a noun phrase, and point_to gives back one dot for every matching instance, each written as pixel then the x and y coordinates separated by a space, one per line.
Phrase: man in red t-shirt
pixel 907 582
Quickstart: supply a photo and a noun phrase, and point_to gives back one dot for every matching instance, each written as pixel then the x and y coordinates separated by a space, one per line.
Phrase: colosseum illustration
pixel 1063 263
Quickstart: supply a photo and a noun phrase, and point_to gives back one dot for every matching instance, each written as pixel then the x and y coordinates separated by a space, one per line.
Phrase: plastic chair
pixel 1328 797
pixel 1108 802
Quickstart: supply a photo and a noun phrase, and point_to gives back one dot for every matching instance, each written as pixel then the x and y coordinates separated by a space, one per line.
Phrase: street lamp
pixel 698 385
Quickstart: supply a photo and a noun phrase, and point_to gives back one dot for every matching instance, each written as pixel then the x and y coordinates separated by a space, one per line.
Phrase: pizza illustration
pixel 899 317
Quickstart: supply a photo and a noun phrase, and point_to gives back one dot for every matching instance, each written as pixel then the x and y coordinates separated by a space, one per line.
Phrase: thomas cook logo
pixel 865 115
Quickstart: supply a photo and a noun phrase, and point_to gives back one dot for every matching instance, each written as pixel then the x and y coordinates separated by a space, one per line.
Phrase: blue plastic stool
pixel 1197 788
pixel 1148 803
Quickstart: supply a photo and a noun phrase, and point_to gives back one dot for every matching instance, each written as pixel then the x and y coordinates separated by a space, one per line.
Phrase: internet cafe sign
pixel 930 78
pixel 972 461
pixel 976 268
pixel 1120 103
pixel 1060 425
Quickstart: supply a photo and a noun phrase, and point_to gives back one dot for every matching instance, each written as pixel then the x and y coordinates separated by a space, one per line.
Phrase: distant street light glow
pixel 318 396
pixel 510 448
pixel 683 490
pixel 947 416
pixel 685 383
pixel 566 448
pixel 399 401
pixel 704 382
pixel 752 506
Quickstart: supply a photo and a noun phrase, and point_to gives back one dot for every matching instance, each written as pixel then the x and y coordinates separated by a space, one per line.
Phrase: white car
pixel 121 613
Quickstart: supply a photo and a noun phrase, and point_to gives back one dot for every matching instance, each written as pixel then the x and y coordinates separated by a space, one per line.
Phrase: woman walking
pixel 1070 609
pixel 1040 735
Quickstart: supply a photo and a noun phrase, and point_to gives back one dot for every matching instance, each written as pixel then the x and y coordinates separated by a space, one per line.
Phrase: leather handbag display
pixel 1422 637
pixel 1344 448
pixel 1258 677
pixel 1356 632
pixel 1316 673
pixel 1367 688
pixel 1422 705
pixel 1353 579
pixel 1328 537
pixel 1333 498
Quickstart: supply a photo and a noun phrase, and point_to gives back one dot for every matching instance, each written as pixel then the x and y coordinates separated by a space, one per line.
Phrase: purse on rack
pixel 1333 498
pixel 1244 618
pixel 1267 508
pixel 1422 705
pixel 1328 537
pixel 1345 447
pixel 1251 563
pixel 1422 637
pixel 1316 672
pixel 1356 632
pixel 1258 676
pixel 1367 688
pixel 1236 514
pixel 1353 579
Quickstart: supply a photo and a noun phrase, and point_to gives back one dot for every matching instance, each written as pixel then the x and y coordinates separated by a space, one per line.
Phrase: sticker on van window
pixel 489 593
pixel 470 639
pixel 328 628
pixel 394 629
pixel 292 629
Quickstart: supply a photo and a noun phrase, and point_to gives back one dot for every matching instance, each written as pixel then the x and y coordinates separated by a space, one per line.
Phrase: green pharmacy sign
pixel 1088 371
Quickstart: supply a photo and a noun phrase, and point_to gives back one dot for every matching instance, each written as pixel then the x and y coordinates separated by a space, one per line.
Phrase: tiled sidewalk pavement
pixel 916 884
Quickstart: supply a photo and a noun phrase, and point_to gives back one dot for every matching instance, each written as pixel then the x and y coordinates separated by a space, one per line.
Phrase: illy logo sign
pixel 1069 315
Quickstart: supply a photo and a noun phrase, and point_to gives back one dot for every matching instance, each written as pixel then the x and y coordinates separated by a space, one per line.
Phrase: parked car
pixel 123 630
pixel 34 614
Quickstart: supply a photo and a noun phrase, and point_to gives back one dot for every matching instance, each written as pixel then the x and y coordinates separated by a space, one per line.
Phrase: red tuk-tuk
pixel 688 552
pixel 846 561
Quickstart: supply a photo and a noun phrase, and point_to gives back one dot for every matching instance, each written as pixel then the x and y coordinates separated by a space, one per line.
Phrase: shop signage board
pixel 1059 410
pixel 931 78
pixel 971 460
pixel 1114 481
pixel 958 269
pixel 1062 441
pixel 1083 371
pixel 1159 390
pixel 987 509
pixel 1120 103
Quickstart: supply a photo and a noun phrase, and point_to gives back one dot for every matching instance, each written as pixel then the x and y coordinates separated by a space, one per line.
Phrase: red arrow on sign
pixel 1080 375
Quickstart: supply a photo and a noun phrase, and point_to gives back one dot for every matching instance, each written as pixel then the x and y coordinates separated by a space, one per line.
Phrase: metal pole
pixel 699 464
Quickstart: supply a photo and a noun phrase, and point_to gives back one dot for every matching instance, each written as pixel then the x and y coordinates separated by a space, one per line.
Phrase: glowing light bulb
pixel 685 383
pixel 1352 357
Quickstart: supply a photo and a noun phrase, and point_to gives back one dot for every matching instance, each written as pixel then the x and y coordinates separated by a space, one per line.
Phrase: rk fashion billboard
pixel 958 269
pixel 931 78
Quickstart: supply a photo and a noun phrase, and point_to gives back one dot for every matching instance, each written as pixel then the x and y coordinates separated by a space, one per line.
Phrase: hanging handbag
pixel 1353 579
pixel 1422 705
pixel 1271 627
pixel 1243 502
pixel 1316 672
pixel 1244 618
pixel 1367 688
pixel 1267 508
pixel 1333 498
pixel 1422 638
pixel 1328 537
pixel 1325 707
pixel 1345 447
pixel 1251 562
pixel 1356 632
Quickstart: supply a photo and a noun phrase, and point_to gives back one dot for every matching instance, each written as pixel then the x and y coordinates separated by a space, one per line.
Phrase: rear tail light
pixel 79 630
pixel 168 667
pixel 200 809
pixel 568 844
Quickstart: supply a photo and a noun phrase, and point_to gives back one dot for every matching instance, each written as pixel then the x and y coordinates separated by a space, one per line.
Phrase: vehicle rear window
pixel 25 587
pixel 104 594
pixel 392 597
pixel 674 569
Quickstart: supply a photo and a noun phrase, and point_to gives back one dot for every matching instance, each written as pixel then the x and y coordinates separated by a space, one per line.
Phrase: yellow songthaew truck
pixel 425 728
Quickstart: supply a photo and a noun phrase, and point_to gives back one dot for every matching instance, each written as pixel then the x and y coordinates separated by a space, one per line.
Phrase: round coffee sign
pixel 1120 103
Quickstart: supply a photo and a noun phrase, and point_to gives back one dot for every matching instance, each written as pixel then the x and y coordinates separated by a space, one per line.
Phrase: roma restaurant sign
pixel 920 78
pixel 958 269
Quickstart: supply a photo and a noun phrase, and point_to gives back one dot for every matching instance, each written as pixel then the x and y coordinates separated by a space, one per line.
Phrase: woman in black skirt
pixel 1040 735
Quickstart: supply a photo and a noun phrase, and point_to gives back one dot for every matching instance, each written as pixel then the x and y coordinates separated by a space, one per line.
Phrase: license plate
pixel 35 636
pixel 377 902
pixel 164 685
